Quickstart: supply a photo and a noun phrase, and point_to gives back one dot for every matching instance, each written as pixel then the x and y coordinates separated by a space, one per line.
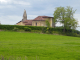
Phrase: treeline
pixel 56 30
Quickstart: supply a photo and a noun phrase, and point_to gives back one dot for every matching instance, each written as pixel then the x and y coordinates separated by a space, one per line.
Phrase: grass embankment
pixel 34 46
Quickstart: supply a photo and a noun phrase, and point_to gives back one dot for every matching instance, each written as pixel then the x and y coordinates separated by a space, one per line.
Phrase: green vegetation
pixel 27 29
pixel 47 23
pixel 66 17
pixel 34 46
pixel 48 30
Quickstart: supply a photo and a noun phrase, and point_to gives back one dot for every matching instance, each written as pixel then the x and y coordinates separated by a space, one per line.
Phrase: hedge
pixel 11 27
pixel 44 29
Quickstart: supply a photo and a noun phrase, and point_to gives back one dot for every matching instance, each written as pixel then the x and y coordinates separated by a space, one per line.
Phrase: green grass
pixel 34 46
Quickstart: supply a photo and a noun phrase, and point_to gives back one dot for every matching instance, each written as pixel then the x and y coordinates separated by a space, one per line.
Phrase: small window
pixel 36 23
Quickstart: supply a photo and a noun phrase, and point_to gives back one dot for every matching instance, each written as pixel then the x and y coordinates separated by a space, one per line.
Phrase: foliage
pixel 43 30
pixel 11 27
pixel 65 16
pixel 27 29
pixel 47 23
pixel 49 31
pixel 15 29
pixel 38 29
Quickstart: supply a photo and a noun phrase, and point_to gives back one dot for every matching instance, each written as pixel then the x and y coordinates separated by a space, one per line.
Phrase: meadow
pixel 35 46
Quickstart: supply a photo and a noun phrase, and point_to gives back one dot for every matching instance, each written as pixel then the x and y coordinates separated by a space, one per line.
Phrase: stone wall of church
pixel 20 23
pixel 43 23
pixel 38 23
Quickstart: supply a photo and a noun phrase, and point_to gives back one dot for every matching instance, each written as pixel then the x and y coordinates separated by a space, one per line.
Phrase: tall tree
pixel 66 17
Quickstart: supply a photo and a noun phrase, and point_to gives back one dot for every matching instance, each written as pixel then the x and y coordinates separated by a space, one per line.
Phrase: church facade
pixel 38 21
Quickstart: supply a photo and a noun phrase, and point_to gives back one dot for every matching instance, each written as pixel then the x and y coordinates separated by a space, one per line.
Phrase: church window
pixel 36 23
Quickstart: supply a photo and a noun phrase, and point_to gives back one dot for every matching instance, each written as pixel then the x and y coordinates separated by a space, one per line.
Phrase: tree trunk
pixel 64 30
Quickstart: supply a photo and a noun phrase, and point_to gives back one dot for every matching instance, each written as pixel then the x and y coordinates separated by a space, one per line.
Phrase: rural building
pixel 38 21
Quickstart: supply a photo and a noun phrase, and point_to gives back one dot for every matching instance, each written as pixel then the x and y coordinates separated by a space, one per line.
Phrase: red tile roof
pixel 41 18
pixel 47 17
pixel 28 22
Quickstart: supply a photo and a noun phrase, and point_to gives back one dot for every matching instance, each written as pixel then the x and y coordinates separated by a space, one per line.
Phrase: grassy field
pixel 34 46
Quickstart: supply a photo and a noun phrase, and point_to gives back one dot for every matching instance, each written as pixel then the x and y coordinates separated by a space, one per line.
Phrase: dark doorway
pixel 36 23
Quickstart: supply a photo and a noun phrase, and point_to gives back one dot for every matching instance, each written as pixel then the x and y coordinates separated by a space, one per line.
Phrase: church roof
pixel 41 18
pixel 28 22
pixel 19 22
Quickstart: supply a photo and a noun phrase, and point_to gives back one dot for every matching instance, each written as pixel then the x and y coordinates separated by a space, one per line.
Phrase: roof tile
pixel 41 18
pixel 28 22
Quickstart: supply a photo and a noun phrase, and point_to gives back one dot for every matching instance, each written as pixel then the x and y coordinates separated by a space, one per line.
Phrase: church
pixel 38 21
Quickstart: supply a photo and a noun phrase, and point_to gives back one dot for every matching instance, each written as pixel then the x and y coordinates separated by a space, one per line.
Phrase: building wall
pixel 43 23
pixel 38 23
pixel 20 23
pixel 51 22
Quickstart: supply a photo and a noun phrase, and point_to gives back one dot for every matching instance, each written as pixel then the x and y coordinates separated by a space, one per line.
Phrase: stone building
pixel 38 21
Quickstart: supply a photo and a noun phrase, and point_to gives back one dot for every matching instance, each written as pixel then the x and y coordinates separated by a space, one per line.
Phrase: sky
pixel 11 11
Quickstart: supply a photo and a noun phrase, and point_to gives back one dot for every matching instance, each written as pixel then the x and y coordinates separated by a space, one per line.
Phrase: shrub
pixel 15 29
pixel 39 28
pixel 36 31
pixel 49 30
pixel 27 29
pixel 55 32
pixel 43 30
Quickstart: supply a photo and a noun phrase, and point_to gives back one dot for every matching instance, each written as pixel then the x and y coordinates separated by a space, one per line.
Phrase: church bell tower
pixel 24 16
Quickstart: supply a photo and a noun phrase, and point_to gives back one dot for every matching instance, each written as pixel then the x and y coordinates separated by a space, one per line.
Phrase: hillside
pixel 34 46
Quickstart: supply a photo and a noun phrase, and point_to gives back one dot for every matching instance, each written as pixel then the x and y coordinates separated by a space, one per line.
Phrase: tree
pixel 66 17
pixel 47 23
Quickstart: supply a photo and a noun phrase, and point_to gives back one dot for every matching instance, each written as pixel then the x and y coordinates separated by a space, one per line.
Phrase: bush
pixel 27 29
pixel 72 34
pixel 55 32
pixel 15 29
pixel 43 30
pixel 36 31
pixel 50 30
pixel 37 28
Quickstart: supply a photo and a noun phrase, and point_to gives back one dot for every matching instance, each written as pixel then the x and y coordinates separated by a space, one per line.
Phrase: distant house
pixel 38 21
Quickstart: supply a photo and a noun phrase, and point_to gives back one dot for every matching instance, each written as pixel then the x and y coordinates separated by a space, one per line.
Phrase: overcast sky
pixel 11 11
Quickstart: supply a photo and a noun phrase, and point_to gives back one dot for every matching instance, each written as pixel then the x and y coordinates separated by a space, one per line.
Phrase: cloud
pixel 13 19
pixel 14 2
pixel 21 2
pixel 31 16
pixel 7 6
pixel 10 19
pixel 3 1
pixel 77 17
